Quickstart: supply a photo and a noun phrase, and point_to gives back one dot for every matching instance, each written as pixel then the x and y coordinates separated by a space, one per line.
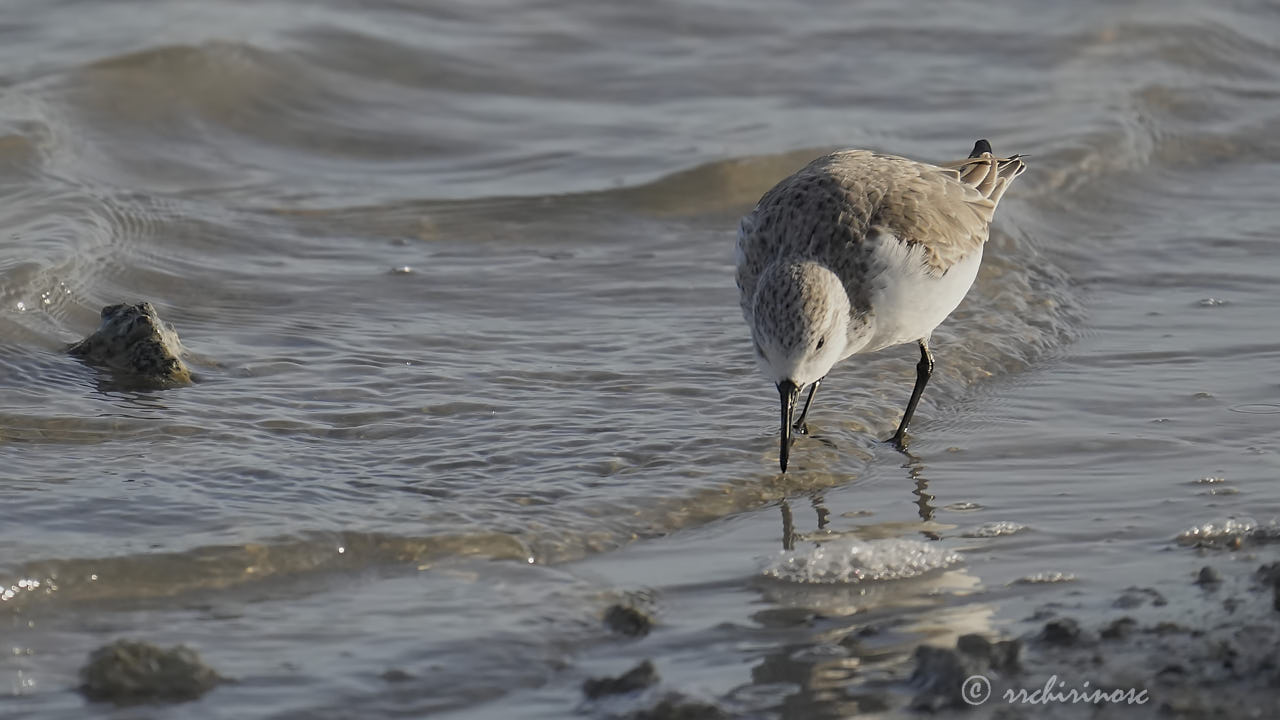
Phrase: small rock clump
pixel 627 620
pixel 133 341
pixel 1119 628
pixel 1064 631
pixel 940 675
pixel 1208 577
pixel 128 672
pixel 1270 575
pixel 637 678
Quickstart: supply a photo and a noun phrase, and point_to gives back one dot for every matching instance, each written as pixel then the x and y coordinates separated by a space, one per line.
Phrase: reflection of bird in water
pixel 789 534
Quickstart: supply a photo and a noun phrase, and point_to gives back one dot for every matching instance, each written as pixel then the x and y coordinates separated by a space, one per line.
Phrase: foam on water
pixel 994 529
pixel 857 561
pixel 1229 532
pixel 1045 578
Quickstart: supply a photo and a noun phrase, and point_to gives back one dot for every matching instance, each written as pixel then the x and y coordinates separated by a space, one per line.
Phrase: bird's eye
pixel 821 342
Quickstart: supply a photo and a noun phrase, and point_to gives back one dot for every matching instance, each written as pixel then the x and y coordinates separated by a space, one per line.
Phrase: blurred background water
pixel 457 282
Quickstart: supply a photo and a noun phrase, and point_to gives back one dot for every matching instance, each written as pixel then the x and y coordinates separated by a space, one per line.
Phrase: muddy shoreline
pixel 1205 644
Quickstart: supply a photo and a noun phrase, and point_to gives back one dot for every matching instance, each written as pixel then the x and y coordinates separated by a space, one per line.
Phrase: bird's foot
pixel 899 442
pixel 802 428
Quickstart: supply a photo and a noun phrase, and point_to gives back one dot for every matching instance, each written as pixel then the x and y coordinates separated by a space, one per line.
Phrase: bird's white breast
pixel 907 300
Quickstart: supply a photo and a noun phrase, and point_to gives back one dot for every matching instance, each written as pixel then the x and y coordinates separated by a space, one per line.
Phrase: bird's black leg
pixel 800 426
pixel 923 370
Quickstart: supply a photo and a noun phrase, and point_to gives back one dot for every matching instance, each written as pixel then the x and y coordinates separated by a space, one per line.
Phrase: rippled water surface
pixel 456 280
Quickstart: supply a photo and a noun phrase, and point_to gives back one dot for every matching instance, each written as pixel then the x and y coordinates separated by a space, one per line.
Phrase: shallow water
pixel 451 471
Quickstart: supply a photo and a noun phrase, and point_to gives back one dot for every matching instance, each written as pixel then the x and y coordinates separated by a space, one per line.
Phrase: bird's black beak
pixel 787 392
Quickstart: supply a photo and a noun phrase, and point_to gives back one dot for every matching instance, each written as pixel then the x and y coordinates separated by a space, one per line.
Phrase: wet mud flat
pixel 1205 645
pixel 1202 642
pixel 1210 650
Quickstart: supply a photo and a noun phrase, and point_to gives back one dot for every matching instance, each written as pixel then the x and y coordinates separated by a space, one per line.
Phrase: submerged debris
pixel 129 671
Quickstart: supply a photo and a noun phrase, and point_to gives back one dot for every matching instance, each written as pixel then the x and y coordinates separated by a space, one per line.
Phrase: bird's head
pixel 800 326
pixel 800 322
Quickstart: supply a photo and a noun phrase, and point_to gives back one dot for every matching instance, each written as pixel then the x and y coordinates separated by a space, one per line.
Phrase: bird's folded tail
pixel 990 175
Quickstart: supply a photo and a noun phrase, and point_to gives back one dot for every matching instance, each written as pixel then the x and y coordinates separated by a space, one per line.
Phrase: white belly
pixel 907 301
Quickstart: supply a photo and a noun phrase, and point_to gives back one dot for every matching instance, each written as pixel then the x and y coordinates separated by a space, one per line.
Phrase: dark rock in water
pixel 1136 596
pixel 1208 576
pixel 676 707
pixel 134 341
pixel 785 617
pixel 1224 652
pixel 1165 627
pixel 1063 631
pixel 396 675
pixel 1269 574
pixel 1000 656
pixel 1119 629
pixel 975 645
pixel 1004 656
pixel 127 672
pixel 869 630
pixel 626 620
pixel 637 678
pixel 939 677
pixel 940 674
